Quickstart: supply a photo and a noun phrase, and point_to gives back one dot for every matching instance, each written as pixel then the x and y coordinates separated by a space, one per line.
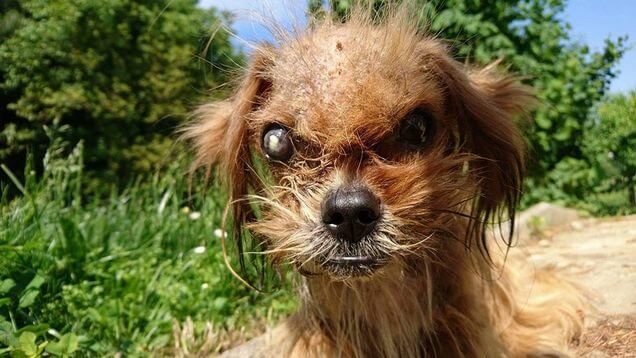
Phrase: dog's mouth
pixel 353 266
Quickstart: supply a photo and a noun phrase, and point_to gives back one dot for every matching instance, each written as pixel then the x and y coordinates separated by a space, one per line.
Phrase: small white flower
pixel 205 286
pixel 199 249
pixel 194 215
pixel 220 233
pixel 54 333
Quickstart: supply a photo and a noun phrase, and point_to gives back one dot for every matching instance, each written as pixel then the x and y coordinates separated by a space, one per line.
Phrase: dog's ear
pixel 487 105
pixel 220 138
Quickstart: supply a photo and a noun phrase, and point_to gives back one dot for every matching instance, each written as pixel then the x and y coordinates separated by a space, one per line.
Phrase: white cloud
pixel 248 16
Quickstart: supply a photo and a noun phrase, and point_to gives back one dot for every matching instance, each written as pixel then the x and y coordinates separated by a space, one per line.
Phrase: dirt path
pixel 600 254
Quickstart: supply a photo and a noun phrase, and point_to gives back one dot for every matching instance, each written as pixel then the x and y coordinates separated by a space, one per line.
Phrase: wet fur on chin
pixel 442 289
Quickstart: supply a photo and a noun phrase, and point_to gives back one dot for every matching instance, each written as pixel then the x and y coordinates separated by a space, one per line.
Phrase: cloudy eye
pixel 416 128
pixel 277 143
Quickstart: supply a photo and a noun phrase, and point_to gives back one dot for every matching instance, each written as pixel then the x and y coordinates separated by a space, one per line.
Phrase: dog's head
pixel 354 147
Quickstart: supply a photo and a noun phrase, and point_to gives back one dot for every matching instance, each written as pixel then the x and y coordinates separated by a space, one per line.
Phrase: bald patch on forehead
pixel 327 64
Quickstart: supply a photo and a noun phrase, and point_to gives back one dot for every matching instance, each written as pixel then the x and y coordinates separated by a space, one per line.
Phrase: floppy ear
pixel 220 138
pixel 486 103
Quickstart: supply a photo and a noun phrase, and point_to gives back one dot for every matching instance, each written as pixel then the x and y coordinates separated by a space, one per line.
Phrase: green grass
pixel 112 273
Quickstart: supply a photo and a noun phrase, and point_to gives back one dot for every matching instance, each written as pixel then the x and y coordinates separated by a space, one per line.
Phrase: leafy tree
pixel 118 74
pixel 532 38
pixel 613 136
pixel 610 147
pixel 603 180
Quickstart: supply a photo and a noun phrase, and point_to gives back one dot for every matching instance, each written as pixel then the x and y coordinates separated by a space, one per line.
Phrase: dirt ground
pixel 600 255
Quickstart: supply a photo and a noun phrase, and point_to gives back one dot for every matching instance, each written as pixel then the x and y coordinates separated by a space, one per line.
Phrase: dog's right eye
pixel 416 128
pixel 277 143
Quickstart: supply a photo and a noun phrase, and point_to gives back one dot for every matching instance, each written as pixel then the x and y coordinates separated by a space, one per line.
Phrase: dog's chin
pixel 344 268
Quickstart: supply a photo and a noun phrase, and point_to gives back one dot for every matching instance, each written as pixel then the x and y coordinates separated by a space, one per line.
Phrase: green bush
pixel 119 75
pixel 603 180
pixel 113 274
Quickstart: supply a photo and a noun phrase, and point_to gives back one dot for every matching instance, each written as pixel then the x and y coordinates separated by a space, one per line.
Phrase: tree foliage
pixel 119 74
pixel 602 180
pixel 534 40
pixel 610 144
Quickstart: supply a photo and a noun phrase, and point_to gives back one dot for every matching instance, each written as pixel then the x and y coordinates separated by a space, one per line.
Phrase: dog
pixel 364 156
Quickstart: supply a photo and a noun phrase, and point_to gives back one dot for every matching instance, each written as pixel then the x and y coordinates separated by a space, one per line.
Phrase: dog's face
pixel 378 149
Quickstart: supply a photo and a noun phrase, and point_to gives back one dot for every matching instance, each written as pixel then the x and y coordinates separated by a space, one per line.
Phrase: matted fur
pixel 342 89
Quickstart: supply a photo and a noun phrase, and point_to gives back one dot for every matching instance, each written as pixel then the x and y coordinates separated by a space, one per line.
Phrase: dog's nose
pixel 350 212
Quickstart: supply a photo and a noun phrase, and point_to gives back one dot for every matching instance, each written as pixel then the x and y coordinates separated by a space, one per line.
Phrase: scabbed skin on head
pixel 342 91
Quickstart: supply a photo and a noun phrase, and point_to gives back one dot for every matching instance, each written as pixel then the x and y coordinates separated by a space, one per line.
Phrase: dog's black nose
pixel 350 212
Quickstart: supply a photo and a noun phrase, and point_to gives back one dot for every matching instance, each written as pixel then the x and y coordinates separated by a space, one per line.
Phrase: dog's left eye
pixel 416 128
pixel 277 143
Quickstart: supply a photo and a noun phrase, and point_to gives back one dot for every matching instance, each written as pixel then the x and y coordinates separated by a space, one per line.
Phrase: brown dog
pixel 387 162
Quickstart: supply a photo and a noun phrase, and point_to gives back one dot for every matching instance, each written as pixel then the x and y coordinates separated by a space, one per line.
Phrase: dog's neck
pixel 368 317
pixel 396 314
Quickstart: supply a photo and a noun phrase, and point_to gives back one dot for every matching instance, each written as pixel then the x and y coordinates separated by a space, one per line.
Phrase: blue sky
pixel 592 22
